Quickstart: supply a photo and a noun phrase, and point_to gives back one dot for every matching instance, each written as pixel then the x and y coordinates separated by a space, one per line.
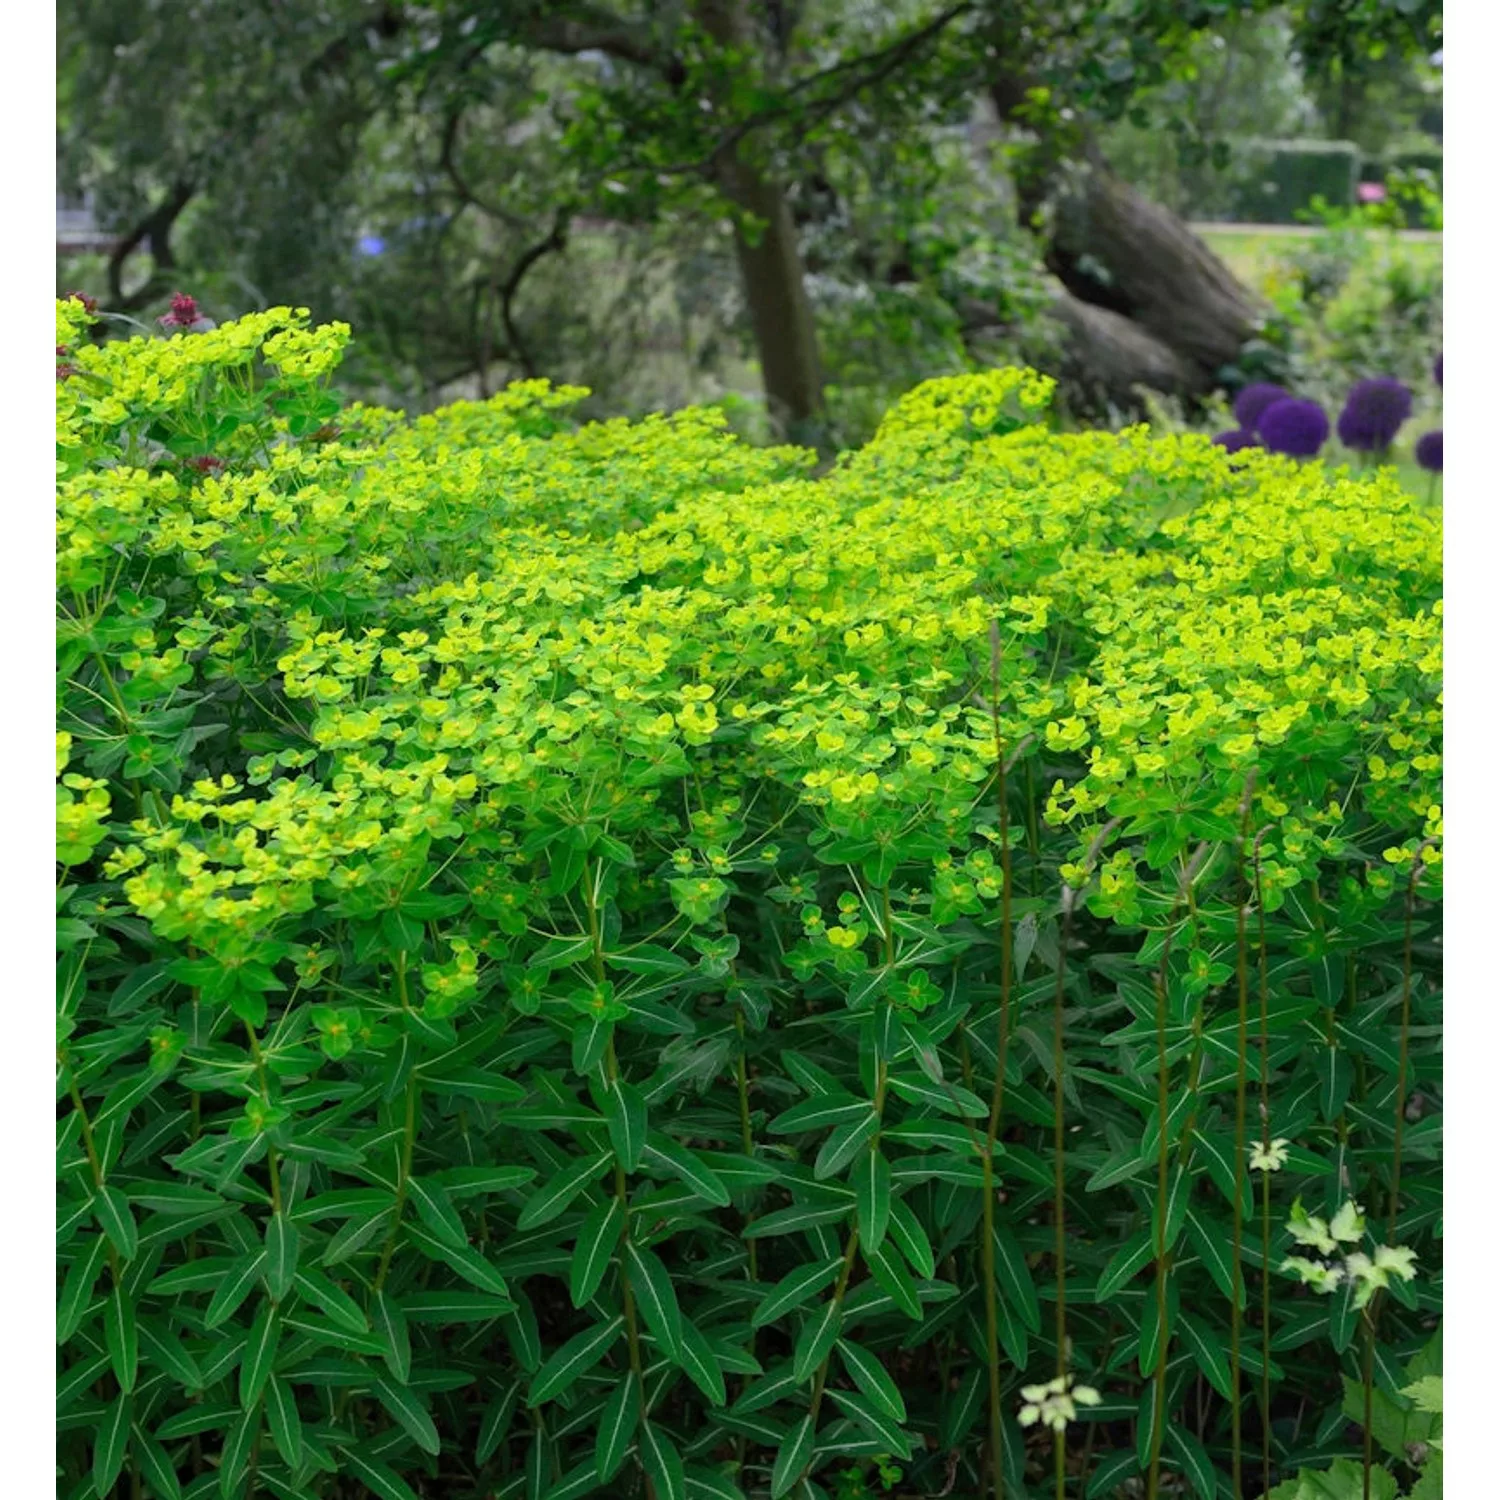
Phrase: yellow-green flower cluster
pixel 484 618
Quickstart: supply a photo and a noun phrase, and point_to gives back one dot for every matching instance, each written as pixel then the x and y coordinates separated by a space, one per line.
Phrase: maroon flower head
pixel 64 371
pixel 186 314
pixel 206 464
pixel 90 304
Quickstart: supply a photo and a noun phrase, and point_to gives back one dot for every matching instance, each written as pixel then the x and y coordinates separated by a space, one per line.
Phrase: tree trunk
pixel 771 270
pixel 1114 249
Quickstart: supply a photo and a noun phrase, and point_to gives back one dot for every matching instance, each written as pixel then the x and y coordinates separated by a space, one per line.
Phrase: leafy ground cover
pixel 602 959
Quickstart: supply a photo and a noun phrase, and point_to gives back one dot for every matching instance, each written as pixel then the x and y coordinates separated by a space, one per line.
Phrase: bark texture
pixel 770 263
pixel 1118 253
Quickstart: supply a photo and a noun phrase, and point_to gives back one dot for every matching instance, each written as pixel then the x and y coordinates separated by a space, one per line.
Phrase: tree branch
pixel 507 290
pixel 156 231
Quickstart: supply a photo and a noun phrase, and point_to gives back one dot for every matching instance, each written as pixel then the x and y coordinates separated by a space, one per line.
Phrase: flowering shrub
pixel 597 960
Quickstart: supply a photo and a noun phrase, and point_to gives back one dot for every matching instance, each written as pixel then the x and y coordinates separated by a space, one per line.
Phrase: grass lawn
pixel 1250 250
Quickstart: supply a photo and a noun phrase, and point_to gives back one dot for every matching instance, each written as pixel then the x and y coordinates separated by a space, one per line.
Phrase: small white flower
pixel 1322 1279
pixel 1396 1260
pixel 1308 1229
pixel 1270 1156
pixel 1053 1404
pixel 1348 1223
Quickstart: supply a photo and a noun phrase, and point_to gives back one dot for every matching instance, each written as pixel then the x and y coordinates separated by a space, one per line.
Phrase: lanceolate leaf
pixel 617 1428
pixel 872 1378
pixel 553 1198
pixel 662 1463
pixel 594 1249
pixel 575 1358
pixel 794 1289
pixel 655 1296
pixel 792 1458
pixel 400 1402
pixel 625 1114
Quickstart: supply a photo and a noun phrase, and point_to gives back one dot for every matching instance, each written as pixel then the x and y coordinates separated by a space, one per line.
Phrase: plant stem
pixel 1059 1209
pixel 1367 1380
pixel 997 1090
pixel 1238 1282
pixel 1265 1183
pixel 1400 1118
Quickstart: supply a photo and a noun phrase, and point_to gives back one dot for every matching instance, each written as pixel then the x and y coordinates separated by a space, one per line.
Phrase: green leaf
pixel 819 1114
pixel 894 1280
pixel 792 1458
pixel 845 1142
pixel 284 1420
pixel 404 1406
pixel 77 1295
pixel 553 1198
pixel 110 1441
pixel 1014 1278
pixel 1110 1473
pixel 877 1423
pixel 389 1324
pixel 259 1357
pixel 496 1423
pixel 314 1287
pixel 281 1255
pixel 794 1220
pixel 1214 1247
pixel 120 1337
pixel 819 1334
pixel 794 1289
pixel 237 1445
pixel 164 1349
pixel 911 1239
pixel 662 1463
pixel 655 1296
pixel 575 1358
pixel 625 1115
pixel 156 1465
pixel 1194 1459
pixel 665 1154
pixel 1135 1254
pixel 871 1181
pixel 376 1476
pixel 454 1305
pixel 1208 1351
pixel 469 1263
pixel 436 1212
pixel 698 1359
pixel 237 1283
pixel 870 1376
pixel 705 1484
pixel 117 1221
pixel 949 1099
pixel 617 1426
pixel 598 1238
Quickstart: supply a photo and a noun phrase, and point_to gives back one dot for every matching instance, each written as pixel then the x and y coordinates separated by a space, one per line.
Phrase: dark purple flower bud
pixel 65 371
pixel 1253 400
pixel 1235 439
pixel 185 314
pixel 1373 414
pixel 207 464
pixel 1296 428
pixel 1430 451
pixel 90 304
pixel 1437 369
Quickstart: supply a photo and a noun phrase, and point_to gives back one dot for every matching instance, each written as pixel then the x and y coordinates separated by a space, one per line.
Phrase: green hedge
pixel 1274 181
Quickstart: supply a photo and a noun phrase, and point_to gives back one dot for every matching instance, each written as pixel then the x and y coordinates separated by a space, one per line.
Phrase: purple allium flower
pixel 1430 451
pixel 1373 414
pixel 1253 400
pixel 1297 428
pixel 1437 369
pixel 1235 439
